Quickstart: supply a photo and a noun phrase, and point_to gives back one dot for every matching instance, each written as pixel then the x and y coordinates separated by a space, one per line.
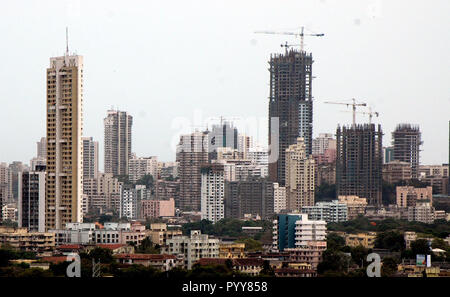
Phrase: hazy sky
pixel 172 62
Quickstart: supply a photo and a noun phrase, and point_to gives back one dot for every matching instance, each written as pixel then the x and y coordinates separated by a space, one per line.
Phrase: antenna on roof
pixel 67 41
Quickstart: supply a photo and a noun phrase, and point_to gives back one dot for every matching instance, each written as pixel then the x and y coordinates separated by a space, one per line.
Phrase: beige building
pixel 366 240
pixel 138 167
pixel 64 146
pixel 20 238
pixel 355 206
pixel 159 233
pixel 408 196
pixel 231 250
pixel 279 198
pixel 396 171
pixel 299 177
pixel 103 192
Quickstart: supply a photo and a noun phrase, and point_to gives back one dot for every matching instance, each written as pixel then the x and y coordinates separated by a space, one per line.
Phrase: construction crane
pixel 301 35
pixel 370 113
pixel 354 104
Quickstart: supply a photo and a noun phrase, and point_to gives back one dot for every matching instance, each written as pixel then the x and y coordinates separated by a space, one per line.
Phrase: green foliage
pixel 225 227
pixel 100 254
pixel 439 243
pixel 391 240
pixel 420 247
pixel 146 180
pixel 333 262
pixel 147 247
pixel 359 255
pixel 389 267
pixel 7 254
pixel 439 228
pixel 335 242
pixel 325 192
pixel 251 245
pixel 136 271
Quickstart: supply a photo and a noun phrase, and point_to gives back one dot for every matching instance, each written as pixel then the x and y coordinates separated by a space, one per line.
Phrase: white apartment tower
pixel 117 142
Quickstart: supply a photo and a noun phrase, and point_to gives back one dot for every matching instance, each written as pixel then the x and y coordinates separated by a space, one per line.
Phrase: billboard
pixel 421 260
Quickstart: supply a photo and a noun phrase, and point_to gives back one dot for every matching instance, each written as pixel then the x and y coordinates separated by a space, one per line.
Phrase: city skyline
pixel 105 58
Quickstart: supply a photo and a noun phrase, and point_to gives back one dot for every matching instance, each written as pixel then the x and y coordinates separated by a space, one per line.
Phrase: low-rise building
pixel 296 231
pixel 421 212
pixel 231 250
pixel 356 206
pixel 192 248
pixel 160 262
pixel 159 233
pixel 366 240
pixel 21 239
pixel 409 196
pixel 331 212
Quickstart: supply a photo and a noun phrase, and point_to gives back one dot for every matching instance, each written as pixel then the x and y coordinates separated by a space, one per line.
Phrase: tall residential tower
pixel 64 146
pixel 406 141
pixel 117 142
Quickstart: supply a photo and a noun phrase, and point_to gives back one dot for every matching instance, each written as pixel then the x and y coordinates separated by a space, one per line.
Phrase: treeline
pixel 440 228
pixel 226 227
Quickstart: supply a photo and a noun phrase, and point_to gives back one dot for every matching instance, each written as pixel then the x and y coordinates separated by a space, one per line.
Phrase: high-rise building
pixel 118 126
pixel 406 141
pixel 90 158
pixel 300 183
pixel 129 203
pixel 359 162
pixel 279 198
pixel 388 154
pixel 64 146
pixel 41 148
pixel 31 204
pixel 192 153
pixel 16 168
pixel 396 171
pixel 213 178
pixel 291 104
pixel 138 167
pixel 322 143
pixel 103 193
pixel 249 198
pixel 5 186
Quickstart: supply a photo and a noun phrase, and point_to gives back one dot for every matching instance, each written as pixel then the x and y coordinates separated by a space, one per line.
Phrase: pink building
pixel 328 156
pixel 157 208
pixel 408 196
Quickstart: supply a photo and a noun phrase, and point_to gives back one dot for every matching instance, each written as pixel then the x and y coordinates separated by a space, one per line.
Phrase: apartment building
pixel 356 206
pixel 331 212
pixel 192 248
pixel 21 239
pixel 138 167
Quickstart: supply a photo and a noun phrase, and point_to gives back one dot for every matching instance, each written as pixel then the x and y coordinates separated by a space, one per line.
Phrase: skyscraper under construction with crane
pixel 290 102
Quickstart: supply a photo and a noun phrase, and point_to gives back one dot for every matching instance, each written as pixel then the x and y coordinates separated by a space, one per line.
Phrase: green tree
pixel 420 247
pixel 267 270
pixel 333 261
pixel 146 180
pixel 251 245
pixel 391 240
pixel 389 267
pixel 325 192
pixel 100 254
pixel 335 242
pixel 147 247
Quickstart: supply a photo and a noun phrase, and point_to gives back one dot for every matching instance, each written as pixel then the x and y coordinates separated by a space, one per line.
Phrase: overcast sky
pixel 172 62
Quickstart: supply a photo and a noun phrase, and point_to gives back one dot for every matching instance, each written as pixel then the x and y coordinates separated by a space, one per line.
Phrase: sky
pixel 175 64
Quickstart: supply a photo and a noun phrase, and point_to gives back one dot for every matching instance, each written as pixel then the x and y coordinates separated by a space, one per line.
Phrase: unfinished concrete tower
pixel 359 162
pixel 406 140
pixel 291 103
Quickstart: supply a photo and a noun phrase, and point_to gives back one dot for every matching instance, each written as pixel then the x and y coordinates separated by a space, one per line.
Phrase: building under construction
pixel 192 153
pixel 406 140
pixel 359 162
pixel 290 103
